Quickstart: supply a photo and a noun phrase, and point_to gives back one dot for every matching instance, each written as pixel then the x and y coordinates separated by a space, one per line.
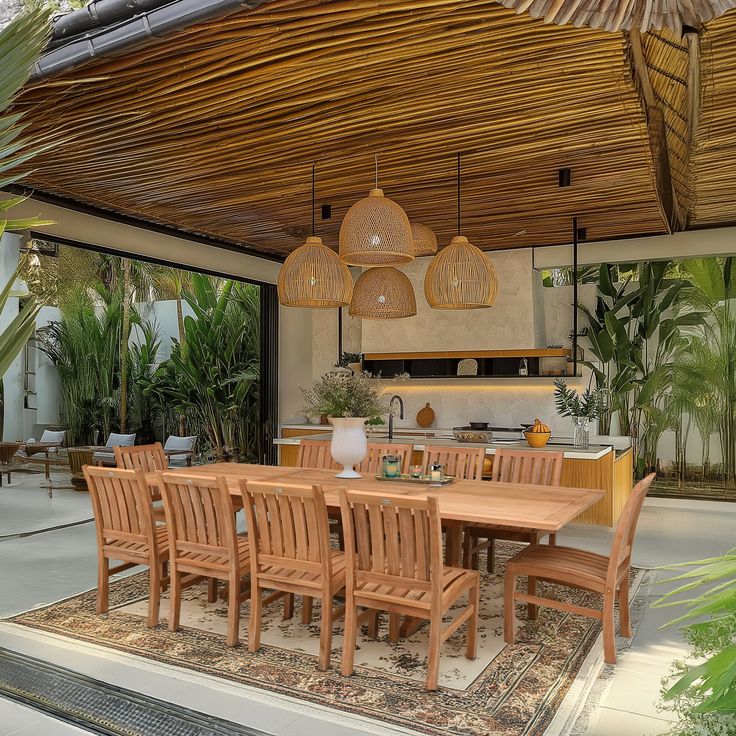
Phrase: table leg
pixel 454 534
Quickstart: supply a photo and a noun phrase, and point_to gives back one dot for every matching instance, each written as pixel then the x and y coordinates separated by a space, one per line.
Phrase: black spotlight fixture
pixel 564 177
pixel 326 211
pixel 582 233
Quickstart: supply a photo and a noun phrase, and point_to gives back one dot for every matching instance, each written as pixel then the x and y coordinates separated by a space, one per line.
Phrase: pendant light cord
pixel 375 159
pixel 313 198
pixel 458 194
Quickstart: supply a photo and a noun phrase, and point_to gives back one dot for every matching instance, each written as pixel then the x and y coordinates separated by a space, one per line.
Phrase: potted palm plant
pixel 349 401
pixel 583 408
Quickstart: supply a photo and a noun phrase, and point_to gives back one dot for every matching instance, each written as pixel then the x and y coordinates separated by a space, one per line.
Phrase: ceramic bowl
pixel 537 439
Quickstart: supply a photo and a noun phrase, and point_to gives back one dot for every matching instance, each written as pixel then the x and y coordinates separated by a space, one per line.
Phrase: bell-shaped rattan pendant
pixel 314 276
pixel 376 232
pixel 425 241
pixel 383 293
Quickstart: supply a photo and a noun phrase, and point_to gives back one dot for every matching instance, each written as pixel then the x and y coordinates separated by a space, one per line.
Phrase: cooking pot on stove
pixel 480 425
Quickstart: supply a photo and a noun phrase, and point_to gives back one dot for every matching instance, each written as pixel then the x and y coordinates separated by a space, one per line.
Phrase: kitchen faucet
pixel 398 398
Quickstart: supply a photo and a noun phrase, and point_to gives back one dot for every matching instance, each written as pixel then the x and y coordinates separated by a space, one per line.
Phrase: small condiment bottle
pixel 435 472
pixel 391 466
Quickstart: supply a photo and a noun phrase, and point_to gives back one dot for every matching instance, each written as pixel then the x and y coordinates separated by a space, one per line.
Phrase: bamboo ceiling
pixel 214 129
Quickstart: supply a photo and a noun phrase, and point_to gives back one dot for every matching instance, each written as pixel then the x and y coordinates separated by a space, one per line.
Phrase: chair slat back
pixel 396 540
pixel 288 526
pixel 316 454
pixel 199 513
pixel 373 462
pixel 147 458
pixel 121 504
pixel 623 540
pixel 540 468
pixel 465 463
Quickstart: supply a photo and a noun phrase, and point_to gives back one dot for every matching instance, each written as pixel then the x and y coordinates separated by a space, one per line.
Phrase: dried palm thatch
pixel 212 129
pixel 714 150
pixel 618 15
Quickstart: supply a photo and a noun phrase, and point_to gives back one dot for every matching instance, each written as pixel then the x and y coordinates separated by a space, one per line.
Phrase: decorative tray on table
pixel 423 480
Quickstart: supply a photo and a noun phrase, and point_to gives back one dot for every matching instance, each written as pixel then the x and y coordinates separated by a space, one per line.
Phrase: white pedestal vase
pixel 349 444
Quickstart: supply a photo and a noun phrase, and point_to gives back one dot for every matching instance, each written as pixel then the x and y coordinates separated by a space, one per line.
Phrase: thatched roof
pixel 214 128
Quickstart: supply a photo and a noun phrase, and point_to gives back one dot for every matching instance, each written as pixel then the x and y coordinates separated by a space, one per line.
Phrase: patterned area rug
pixel 507 690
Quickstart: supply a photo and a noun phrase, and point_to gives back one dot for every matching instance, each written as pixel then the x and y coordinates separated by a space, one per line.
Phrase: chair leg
pixel 609 632
pixel 509 607
pixel 471 647
pixel 254 622
pixel 154 594
pixel 624 612
pixel 553 539
pixel 175 598
pixel 164 575
pixel 394 626
pixel 349 638
pixel 373 625
pixel 233 611
pixel 433 662
pixel 103 577
pixel 288 606
pixel 491 560
pixel 307 610
pixel 325 633
pixel 211 590
pixel 532 608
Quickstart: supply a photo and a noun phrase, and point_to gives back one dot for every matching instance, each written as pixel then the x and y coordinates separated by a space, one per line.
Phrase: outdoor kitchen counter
pixel 598 466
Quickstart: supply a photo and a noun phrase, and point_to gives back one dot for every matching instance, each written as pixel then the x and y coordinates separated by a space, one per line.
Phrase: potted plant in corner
pixel 349 402
pixel 581 407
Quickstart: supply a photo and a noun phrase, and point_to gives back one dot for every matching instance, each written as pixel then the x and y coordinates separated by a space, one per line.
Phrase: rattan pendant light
pixel 383 293
pixel 314 276
pixel 376 232
pixel 460 276
pixel 425 241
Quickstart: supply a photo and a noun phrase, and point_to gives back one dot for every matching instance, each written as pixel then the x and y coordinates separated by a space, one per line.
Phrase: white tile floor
pixel 40 569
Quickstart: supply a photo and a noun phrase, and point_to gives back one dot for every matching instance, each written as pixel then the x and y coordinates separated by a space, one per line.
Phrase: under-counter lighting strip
pixel 402 387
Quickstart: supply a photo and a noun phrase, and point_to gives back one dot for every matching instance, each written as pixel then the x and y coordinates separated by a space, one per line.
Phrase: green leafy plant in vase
pixel 349 401
pixel 582 408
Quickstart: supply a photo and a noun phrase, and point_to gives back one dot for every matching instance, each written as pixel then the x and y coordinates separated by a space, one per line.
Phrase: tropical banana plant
pixel 213 377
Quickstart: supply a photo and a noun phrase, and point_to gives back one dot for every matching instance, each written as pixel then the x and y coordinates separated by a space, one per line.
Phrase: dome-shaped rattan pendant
pixel 376 232
pixel 383 293
pixel 425 241
pixel 313 276
pixel 460 276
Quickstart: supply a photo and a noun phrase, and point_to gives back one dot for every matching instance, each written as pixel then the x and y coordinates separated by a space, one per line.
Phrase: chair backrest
pixel 464 463
pixel 121 502
pixel 395 540
pixel 199 514
pixel 186 444
pixel 147 458
pixel 372 463
pixel 120 440
pixel 315 454
pixel 623 540
pixel 50 435
pixel 538 467
pixel 287 527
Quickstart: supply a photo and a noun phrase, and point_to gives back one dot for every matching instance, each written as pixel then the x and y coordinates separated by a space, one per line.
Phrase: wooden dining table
pixel 512 505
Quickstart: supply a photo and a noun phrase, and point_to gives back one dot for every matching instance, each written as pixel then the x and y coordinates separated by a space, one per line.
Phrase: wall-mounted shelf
pixel 541 363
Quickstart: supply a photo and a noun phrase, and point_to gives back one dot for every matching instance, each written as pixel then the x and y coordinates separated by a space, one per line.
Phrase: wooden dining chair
pixel 578 568
pixel 203 541
pixel 290 552
pixel 394 563
pixel 147 458
pixel 464 463
pixel 315 454
pixel 530 467
pixel 126 532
